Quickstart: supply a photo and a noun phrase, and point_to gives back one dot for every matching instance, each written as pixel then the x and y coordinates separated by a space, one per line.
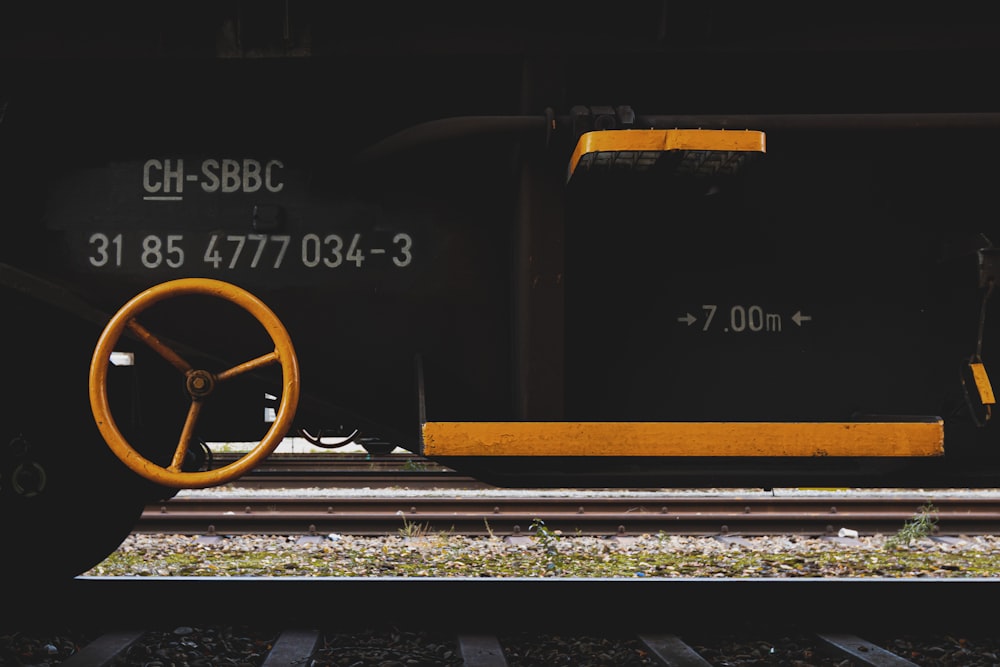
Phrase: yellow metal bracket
pixel 699 152
pixel 685 439
pixel 983 385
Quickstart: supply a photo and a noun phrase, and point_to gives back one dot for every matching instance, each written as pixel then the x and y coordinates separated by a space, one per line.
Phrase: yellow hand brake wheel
pixel 198 383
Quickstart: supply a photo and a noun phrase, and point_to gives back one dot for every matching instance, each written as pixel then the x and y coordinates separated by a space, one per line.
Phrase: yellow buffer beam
pixel 734 439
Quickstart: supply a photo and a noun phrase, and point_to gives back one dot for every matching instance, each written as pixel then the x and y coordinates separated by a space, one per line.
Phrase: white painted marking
pixel 122 358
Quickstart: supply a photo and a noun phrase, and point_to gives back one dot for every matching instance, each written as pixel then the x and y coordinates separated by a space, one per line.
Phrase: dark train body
pixel 400 188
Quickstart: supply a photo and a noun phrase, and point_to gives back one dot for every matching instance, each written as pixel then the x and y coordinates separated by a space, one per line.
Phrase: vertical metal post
pixel 538 289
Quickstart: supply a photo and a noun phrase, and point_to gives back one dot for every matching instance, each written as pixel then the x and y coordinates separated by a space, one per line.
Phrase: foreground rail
pixel 663 613
pixel 486 515
pixel 298 646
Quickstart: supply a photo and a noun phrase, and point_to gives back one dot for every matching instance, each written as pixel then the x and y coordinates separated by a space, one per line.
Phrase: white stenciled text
pixel 223 251
pixel 165 179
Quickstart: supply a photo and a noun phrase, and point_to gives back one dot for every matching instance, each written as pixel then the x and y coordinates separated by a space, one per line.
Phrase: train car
pixel 545 244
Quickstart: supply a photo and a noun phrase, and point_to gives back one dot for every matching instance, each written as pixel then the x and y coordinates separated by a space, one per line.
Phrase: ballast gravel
pixel 550 554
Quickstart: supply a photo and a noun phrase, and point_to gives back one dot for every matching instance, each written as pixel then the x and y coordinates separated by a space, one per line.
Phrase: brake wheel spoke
pixel 187 433
pixel 246 367
pixel 158 346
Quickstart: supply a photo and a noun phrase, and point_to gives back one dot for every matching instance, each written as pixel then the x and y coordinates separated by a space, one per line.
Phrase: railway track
pixel 485 622
pixel 582 515
pixel 297 646
pixel 488 622
pixel 474 622
pixel 349 470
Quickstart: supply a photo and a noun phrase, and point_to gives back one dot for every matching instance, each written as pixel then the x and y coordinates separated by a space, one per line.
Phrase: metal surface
pixel 700 151
pixel 347 470
pixel 683 439
pixel 665 513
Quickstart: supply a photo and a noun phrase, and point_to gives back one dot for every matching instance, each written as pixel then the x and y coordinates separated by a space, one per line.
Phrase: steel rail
pixel 484 649
pixel 348 470
pixel 607 516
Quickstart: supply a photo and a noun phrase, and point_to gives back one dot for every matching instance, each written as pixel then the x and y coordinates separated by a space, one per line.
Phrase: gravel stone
pixel 551 555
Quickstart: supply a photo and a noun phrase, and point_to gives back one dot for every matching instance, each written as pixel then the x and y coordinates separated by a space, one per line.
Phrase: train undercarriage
pixel 542 266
